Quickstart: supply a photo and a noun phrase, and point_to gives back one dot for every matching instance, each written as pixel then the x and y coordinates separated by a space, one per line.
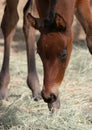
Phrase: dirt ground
pixel 22 113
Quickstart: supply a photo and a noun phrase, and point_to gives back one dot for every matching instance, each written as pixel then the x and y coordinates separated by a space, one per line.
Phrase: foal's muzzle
pixel 52 98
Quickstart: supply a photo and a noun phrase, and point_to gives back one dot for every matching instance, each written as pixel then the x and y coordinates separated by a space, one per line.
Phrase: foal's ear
pixel 60 22
pixel 35 22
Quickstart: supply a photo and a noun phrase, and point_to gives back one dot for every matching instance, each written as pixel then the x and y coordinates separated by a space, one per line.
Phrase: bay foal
pixel 54 45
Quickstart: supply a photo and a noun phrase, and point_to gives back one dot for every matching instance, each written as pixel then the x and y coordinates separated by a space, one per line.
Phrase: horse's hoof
pixel 37 97
pixel 3 94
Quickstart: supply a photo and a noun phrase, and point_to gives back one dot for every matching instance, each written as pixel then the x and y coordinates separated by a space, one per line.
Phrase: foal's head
pixel 54 48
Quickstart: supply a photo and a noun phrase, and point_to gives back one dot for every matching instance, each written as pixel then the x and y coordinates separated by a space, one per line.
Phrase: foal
pixel 54 45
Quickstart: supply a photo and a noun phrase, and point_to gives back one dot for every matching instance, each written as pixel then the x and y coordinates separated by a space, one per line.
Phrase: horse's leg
pixel 84 15
pixel 32 78
pixel 8 26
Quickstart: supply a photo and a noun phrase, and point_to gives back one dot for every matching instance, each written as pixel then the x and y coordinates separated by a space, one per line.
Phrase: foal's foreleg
pixel 84 15
pixel 32 78
pixel 8 26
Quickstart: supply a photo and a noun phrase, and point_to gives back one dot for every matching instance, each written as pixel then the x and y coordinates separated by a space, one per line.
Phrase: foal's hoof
pixel 3 94
pixel 4 103
pixel 55 106
pixel 37 97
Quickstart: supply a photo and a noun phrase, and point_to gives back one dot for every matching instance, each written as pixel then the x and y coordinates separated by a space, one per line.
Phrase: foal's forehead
pixel 52 43
pixel 53 38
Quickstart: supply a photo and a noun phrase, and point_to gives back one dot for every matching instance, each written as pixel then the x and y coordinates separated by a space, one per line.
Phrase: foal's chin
pixel 54 106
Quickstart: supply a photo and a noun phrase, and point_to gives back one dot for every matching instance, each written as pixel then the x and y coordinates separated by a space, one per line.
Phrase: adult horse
pixel 54 45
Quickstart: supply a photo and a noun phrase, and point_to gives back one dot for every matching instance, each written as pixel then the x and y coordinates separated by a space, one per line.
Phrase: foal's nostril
pixel 52 98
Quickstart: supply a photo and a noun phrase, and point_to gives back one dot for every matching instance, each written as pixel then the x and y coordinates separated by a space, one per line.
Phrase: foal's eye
pixel 63 54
